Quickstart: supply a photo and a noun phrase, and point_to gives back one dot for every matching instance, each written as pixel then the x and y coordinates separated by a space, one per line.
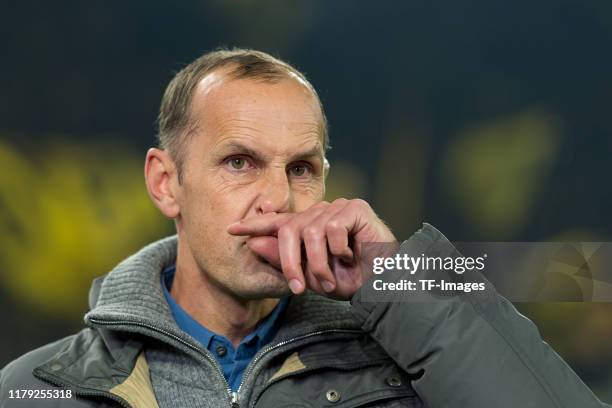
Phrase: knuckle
pixel 291 269
pixel 318 270
pixel 290 273
pixel 360 203
pixel 333 226
pixel 320 204
pixel 311 233
pixel 286 231
pixel 340 201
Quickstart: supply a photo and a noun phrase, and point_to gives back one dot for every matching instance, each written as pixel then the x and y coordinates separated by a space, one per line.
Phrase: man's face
pixel 258 149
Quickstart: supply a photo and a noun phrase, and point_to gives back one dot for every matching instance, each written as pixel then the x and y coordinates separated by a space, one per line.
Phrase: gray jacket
pixel 473 350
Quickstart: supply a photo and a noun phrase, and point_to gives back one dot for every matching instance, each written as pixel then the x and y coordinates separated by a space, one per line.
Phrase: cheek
pixel 228 201
pixel 305 198
pixel 223 199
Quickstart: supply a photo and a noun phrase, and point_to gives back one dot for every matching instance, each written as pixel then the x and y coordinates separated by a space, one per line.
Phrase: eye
pixel 237 163
pixel 300 169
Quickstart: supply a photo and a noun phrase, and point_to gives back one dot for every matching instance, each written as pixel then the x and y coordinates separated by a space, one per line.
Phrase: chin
pixel 261 290
pixel 258 279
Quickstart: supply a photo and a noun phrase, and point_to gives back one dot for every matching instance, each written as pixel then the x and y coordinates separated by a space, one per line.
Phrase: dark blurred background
pixel 488 119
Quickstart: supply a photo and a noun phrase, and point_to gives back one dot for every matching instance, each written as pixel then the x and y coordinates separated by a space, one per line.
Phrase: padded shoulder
pixel 18 373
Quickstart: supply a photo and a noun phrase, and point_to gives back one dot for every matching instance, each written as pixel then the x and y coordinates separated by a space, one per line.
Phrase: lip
pixel 258 257
pixel 265 262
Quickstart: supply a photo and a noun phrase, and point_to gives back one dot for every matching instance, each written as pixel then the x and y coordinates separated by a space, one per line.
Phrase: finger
pixel 290 247
pixel 265 224
pixel 316 255
pixel 338 240
pixel 312 281
pixel 342 226
pixel 338 235
pixel 315 242
pixel 266 247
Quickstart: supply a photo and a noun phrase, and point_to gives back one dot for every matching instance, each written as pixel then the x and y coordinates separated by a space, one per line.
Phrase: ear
pixel 325 174
pixel 325 168
pixel 161 179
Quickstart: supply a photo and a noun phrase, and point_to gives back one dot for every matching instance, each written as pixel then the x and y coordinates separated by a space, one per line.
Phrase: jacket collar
pixel 130 298
pixel 128 303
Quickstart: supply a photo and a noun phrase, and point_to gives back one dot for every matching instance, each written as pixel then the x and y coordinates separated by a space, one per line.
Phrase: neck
pixel 214 308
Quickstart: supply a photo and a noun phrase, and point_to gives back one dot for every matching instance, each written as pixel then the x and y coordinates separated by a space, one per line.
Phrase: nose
pixel 275 193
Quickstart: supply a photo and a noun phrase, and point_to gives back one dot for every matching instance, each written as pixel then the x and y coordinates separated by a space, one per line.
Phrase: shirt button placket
pixel 221 350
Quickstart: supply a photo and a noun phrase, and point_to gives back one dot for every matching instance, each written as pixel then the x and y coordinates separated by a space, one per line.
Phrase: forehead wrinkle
pixel 303 149
pixel 262 117
pixel 237 126
pixel 226 113
pixel 316 146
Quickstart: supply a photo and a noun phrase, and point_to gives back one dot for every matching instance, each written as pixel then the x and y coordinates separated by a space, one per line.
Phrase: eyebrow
pixel 237 146
pixel 314 152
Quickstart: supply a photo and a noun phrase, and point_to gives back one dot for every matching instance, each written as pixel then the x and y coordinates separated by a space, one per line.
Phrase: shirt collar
pixel 263 334
pixel 182 318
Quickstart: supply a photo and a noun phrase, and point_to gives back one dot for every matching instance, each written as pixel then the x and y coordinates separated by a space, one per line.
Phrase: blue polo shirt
pixel 232 361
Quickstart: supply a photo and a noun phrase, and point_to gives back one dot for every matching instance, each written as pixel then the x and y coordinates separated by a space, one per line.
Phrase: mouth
pixel 264 261
pixel 258 258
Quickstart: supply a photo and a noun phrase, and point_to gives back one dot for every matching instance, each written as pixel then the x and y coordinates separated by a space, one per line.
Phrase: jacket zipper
pixel 234 397
pixel 278 345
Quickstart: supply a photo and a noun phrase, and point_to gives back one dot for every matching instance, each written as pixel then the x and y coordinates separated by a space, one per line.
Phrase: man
pixel 241 307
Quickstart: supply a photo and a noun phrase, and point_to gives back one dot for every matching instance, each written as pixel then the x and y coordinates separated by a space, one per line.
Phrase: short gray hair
pixel 174 121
